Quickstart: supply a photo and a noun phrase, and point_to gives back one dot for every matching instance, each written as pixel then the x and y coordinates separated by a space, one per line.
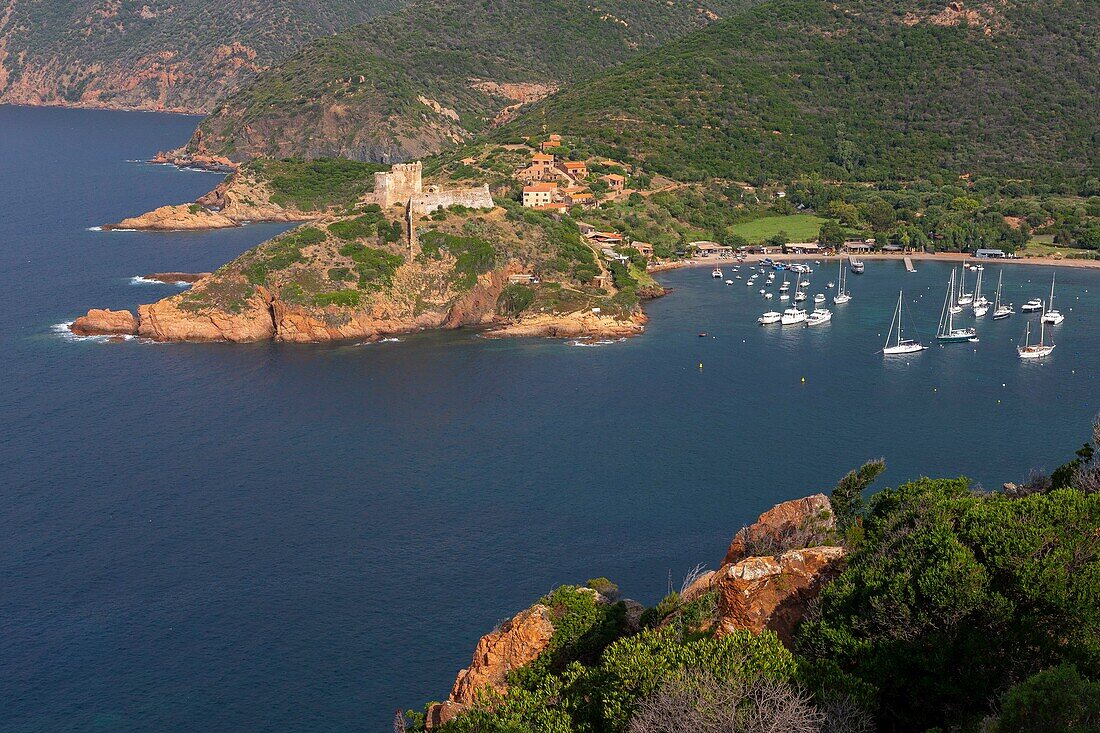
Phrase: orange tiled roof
pixel 540 188
pixel 542 158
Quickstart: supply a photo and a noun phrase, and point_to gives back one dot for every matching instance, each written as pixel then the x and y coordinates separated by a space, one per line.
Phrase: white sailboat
pixel 981 305
pixel 842 295
pixel 1039 350
pixel 1052 316
pixel 947 332
pixel 965 298
pixel 896 343
pixel 1001 310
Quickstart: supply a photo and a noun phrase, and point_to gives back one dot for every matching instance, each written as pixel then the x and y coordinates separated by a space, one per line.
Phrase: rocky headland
pixel 770 576
pixel 241 198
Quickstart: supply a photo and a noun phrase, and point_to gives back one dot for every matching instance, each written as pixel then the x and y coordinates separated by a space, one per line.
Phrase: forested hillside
pixel 855 90
pixel 418 80
pixel 155 54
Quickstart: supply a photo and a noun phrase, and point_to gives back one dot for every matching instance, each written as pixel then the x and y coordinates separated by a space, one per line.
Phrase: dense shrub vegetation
pixel 957 610
pixel 311 185
pixel 853 91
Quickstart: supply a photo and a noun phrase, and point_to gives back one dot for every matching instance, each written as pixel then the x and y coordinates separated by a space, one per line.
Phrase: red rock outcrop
pixel 517 642
pixel 759 593
pixel 170 320
pixel 105 322
pixel 795 523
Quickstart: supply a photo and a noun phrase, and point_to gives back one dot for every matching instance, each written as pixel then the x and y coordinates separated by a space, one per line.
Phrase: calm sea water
pixel 304 538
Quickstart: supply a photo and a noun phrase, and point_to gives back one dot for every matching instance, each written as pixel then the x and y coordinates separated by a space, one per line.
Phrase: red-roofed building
pixel 539 194
pixel 575 169
pixel 614 181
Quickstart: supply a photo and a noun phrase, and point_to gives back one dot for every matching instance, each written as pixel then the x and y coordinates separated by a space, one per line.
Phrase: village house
pixel 859 245
pixel 578 196
pixel 611 239
pixel 585 228
pixel 644 248
pixel 554 141
pixel 708 249
pixel 615 182
pixel 523 278
pixel 539 194
pixel 540 168
pixel 575 169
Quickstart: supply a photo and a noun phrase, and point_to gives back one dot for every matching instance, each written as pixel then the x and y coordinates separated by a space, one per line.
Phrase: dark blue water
pixel 304 538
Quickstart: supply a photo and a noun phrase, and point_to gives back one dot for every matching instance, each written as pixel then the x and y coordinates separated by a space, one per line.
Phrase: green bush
pixel 345 298
pixel 515 299
pixel 374 266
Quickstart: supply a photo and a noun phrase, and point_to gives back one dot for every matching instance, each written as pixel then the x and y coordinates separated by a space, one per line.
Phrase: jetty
pixel 909 264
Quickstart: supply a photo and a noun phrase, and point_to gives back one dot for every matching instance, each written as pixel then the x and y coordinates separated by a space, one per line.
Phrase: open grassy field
pixel 799 227
pixel 1043 246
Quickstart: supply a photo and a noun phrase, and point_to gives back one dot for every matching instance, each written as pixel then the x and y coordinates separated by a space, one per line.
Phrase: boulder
pixel 105 322
pixel 699 586
pixel 774 592
pixel 792 524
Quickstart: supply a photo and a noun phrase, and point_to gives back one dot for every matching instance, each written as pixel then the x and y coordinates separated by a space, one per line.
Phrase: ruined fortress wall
pixel 399 185
pixel 473 198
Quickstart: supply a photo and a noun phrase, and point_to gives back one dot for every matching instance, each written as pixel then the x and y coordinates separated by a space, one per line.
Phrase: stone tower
pixel 399 185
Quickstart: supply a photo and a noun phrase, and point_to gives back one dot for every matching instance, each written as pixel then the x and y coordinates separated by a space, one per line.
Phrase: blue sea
pixel 282 537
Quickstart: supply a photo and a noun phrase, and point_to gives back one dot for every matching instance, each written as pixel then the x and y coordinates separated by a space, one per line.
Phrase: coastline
pixel 922 256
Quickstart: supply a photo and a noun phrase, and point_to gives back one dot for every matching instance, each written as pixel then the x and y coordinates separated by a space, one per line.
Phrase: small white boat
pixel 819 298
pixel 830 285
pixel 1035 351
pixel 1032 306
pixel 771 276
pixel 784 287
pixel 895 343
pixel 799 297
pixel 804 284
pixel 784 296
pixel 791 316
pixel 964 297
pixel 729 282
pixel 763 291
pixel 768 296
pixel 738 277
pixel 980 310
pixel 818 317
pixel 956 310
pixel 770 317
pixel 1052 316
pixel 716 272
pixel 1000 310
pixel 750 282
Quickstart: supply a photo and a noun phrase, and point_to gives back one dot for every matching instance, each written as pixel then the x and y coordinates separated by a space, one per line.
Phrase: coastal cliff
pixel 756 594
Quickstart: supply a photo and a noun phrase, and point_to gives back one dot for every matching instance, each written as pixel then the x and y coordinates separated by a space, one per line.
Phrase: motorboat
pixel 819 316
pixel 1032 306
pixel 819 298
pixel 792 316
pixel 896 343
pixel 729 282
pixel 799 297
pixel 857 266
pixel 770 317
pixel 716 272
pixel 768 296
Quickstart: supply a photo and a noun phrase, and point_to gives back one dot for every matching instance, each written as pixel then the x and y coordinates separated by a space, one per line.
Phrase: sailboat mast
pixel 1050 305
pixel 997 297
pixel 899 318
pixel 945 315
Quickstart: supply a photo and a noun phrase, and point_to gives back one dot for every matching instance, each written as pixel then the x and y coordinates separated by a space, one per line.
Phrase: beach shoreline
pixel 918 256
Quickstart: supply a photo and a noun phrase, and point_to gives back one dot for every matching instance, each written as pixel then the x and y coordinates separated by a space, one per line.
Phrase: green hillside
pixel 156 53
pixel 854 90
pixel 416 81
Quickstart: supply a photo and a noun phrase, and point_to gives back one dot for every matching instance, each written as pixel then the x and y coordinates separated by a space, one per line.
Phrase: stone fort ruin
pixel 403 185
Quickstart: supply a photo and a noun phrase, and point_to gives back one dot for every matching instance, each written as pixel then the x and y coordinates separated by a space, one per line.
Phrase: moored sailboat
pixel 842 295
pixel 1001 310
pixel 895 342
pixel 1039 350
pixel 947 332
pixel 1052 316
pixel 981 304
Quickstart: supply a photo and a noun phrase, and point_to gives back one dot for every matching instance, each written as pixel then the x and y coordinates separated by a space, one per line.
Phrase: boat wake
pixel 139 280
pixel 594 342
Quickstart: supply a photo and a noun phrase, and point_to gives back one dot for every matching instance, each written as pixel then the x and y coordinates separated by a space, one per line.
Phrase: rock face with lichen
pixel 774 592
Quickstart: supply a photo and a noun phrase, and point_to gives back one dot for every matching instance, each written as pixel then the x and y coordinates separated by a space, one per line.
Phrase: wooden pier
pixel 909 264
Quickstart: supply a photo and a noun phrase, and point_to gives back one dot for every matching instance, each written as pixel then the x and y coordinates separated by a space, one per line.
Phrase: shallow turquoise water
pixel 304 538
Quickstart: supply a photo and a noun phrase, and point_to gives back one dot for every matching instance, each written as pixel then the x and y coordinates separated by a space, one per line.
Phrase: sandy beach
pixel 940 257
